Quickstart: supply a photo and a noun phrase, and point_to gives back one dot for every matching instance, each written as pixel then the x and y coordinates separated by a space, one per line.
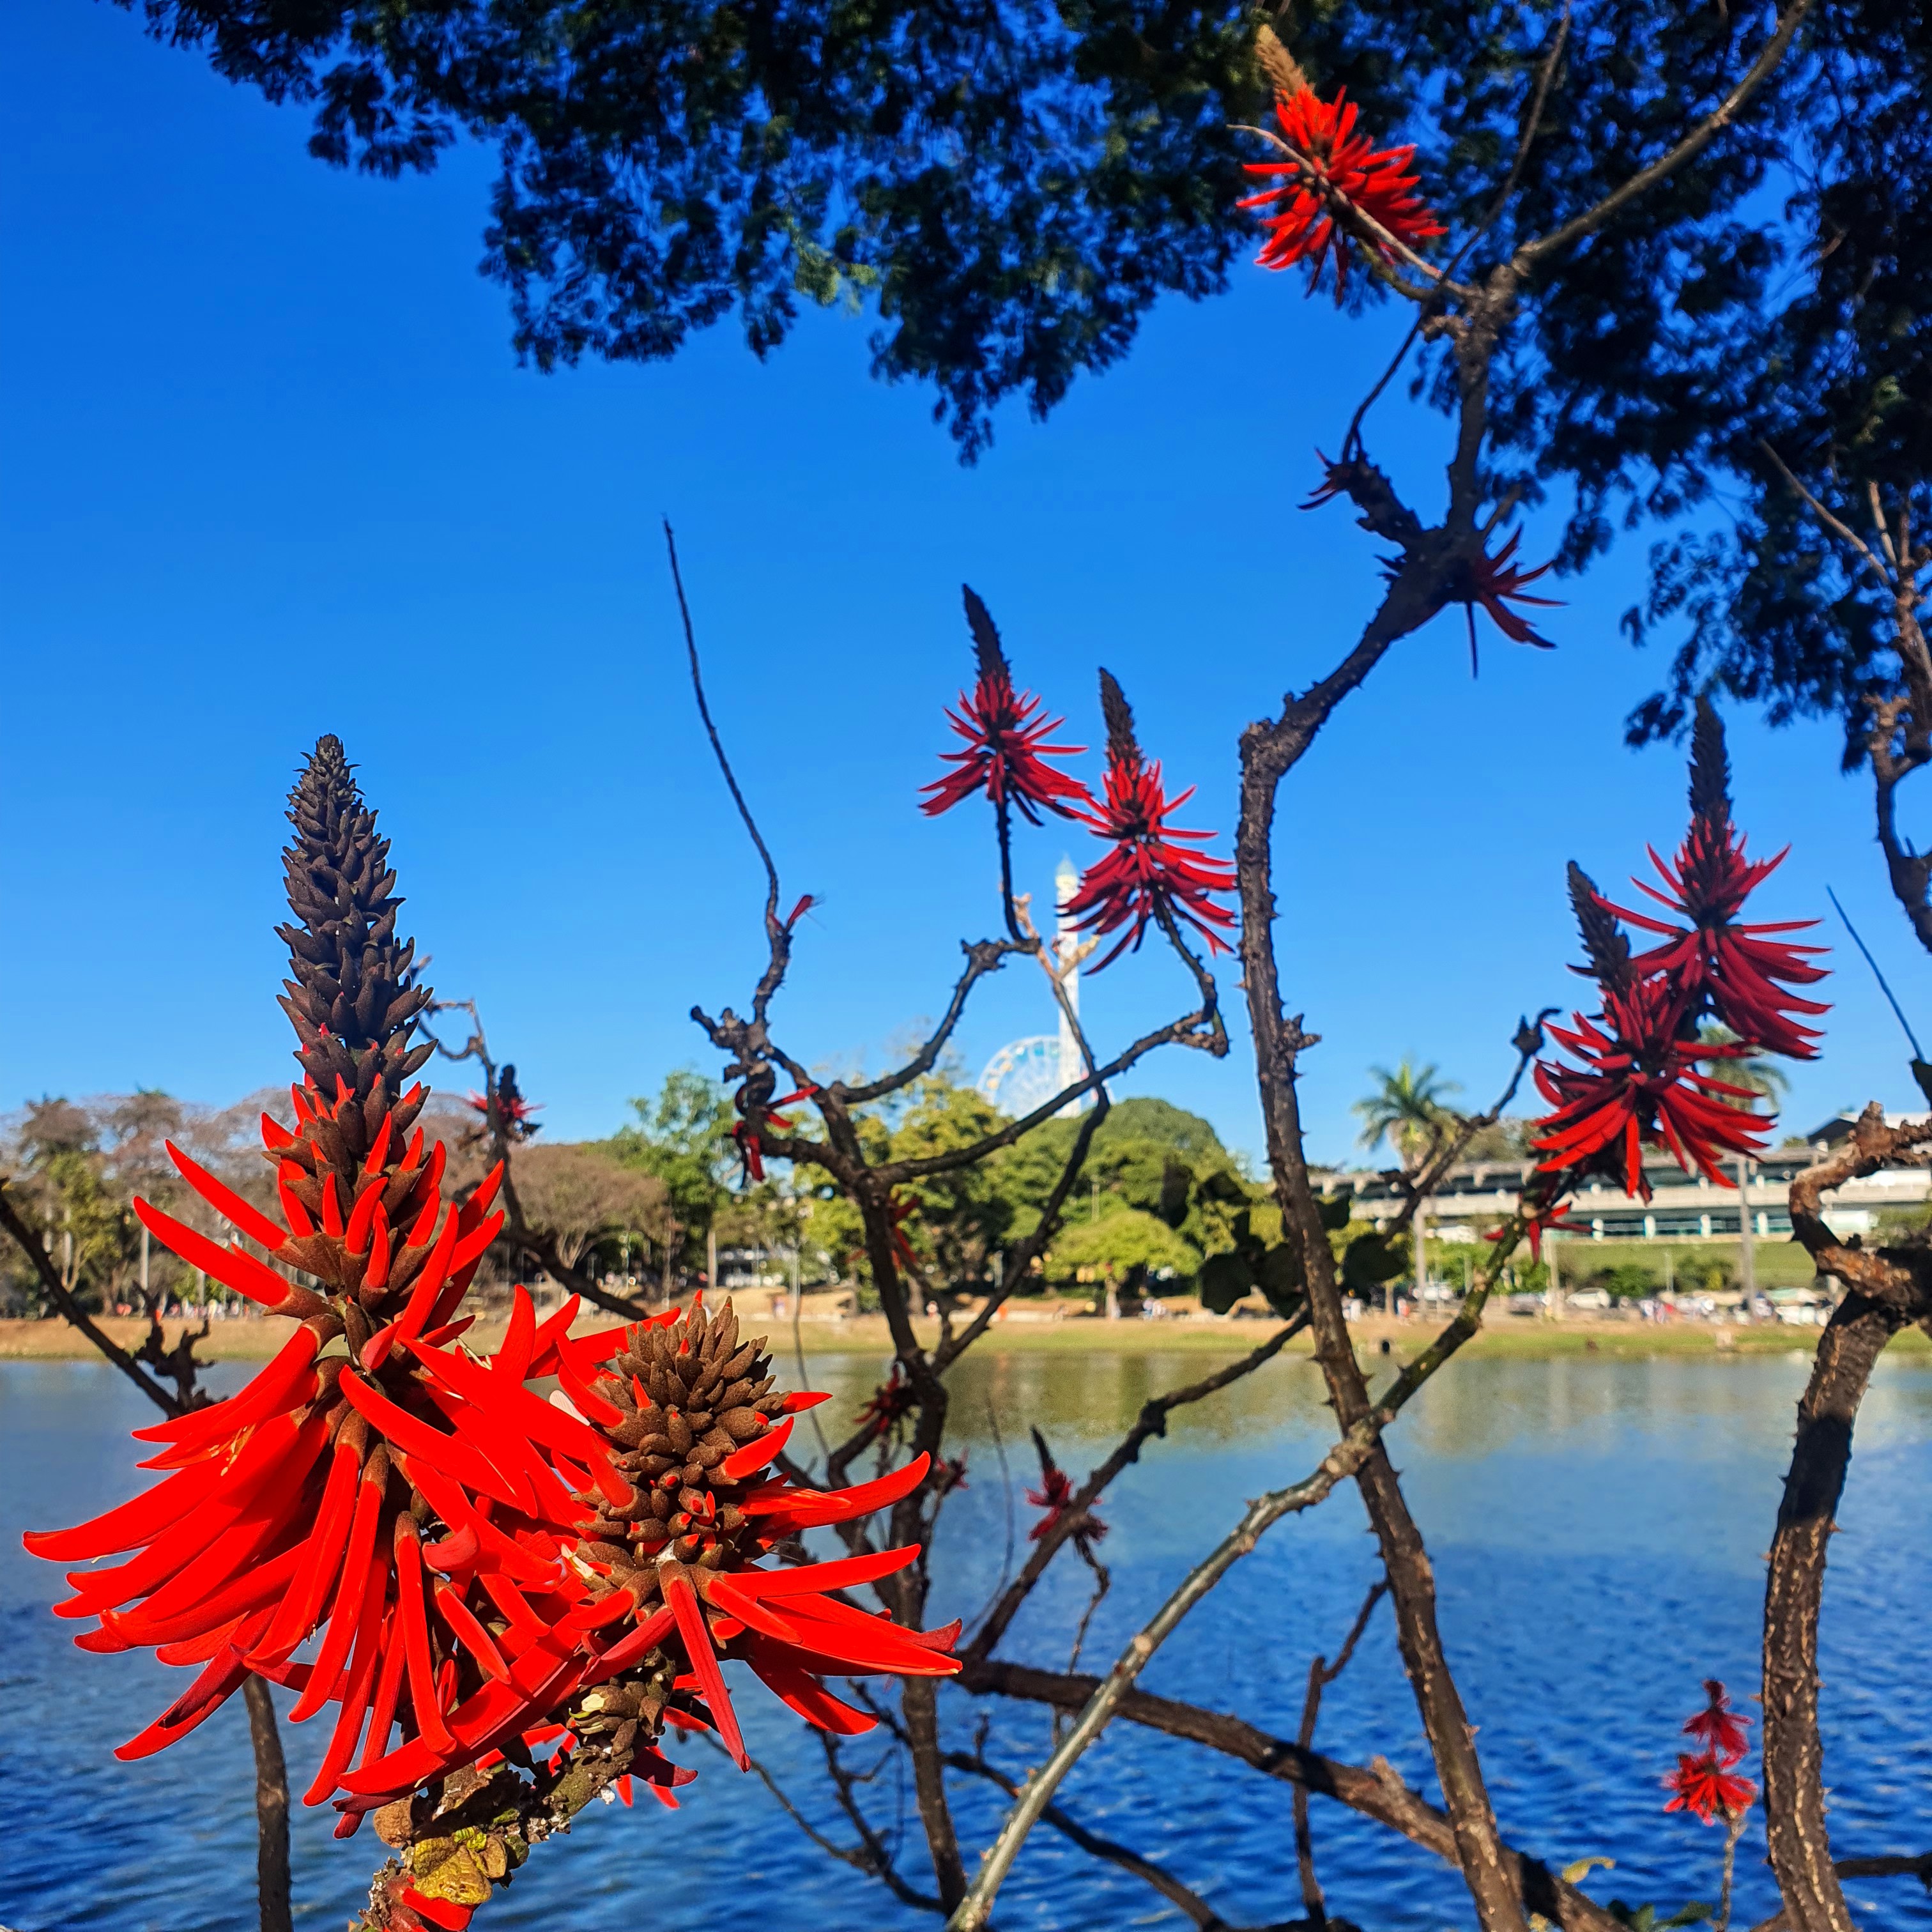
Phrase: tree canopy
pixel 1009 188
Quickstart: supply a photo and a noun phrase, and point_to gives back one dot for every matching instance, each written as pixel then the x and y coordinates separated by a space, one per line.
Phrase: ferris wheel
pixel 1022 1076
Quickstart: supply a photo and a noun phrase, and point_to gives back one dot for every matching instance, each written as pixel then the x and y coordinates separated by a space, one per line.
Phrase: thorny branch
pixel 1362 1439
pixel 1320 1674
pixel 537 1244
pixel 1887 1290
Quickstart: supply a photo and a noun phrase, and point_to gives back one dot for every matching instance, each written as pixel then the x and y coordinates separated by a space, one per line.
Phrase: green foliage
pixel 1627 1281
pixel 1644 1918
pixel 1406 1108
pixel 1371 1259
pixel 683 1138
pixel 1126 1242
pixel 1012 186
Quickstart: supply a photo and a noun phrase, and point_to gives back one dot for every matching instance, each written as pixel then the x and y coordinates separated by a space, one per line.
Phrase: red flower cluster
pixel 1642 1078
pixel 745 1131
pixel 888 1405
pixel 1146 876
pixel 1005 736
pixel 1330 170
pixel 1740 971
pixel 1703 1782
pixel 1495 583
pixel 505 1106
pixel 467 1557
pixel 1055 1496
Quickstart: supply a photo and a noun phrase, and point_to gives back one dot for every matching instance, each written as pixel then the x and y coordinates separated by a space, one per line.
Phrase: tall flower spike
pixel 295 1506
pixel 1329 166
pixel 1742 971
pixel 1005 737
pixel 1146 874
pixel 353 1001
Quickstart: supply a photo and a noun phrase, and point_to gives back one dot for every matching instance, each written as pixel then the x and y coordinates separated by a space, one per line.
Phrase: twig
pixel 1196 1908
pixel 1917 1864
pixel 1152 1421
pixel 1320 1674
pixel 1912 1037
pixel 1700 138
pixel 1344 1460
pixel 1368 1791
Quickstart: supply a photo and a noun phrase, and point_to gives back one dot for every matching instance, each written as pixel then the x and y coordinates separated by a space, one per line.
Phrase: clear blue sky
pixel 271 470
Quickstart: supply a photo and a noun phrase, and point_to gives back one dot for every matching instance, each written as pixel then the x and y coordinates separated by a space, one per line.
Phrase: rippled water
pixel 1596 1528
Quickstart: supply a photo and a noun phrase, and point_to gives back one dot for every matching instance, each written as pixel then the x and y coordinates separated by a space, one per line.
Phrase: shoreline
pixel 1515 1337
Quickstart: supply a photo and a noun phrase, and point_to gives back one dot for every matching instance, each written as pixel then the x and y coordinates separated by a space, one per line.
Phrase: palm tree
pixel 1405 1108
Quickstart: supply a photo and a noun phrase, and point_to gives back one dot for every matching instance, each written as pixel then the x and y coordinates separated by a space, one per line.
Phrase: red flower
pixel 505 1106
pixel 1332 169
pixel 1005 737
pixel 1640 1083
pixel 1553 1218
pixel 1701 1785
pixel 1055 1496
pixel 746 1131
pixel 1146 876
pixel 1737 970
pixel 888 1405
pixel 654 1540
pixel 1495 582
pixel 1718 1728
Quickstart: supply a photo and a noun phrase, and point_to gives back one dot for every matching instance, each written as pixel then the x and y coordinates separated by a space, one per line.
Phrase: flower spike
pixel 1146 877
pixel 1005 736
pixel 1330 169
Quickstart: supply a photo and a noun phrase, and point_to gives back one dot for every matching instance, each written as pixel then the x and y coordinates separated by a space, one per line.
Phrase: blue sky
pixel 272 470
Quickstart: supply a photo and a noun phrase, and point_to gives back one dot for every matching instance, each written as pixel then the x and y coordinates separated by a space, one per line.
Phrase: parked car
pixel 1592 1298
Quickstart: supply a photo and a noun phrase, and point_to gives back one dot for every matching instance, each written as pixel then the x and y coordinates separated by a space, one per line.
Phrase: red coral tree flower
pixel 674 1508
pixel 1055 1497
pixel 1704 1783
pixel 1742 970
pixel 1146 877
pixel 304 1504
pixel 1328 170
pixel 1496 582
pixel 1642 1083
pixel 1006 738
pixel 1718 1727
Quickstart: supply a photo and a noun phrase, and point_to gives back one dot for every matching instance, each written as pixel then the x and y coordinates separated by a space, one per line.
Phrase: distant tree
pixel 1405 1107
pixel 1759 1072
pixel 1125 1245
pixel 582 1195
pixel 683 1138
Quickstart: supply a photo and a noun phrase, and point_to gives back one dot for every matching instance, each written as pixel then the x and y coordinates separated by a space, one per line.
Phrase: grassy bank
pixel 1513 1337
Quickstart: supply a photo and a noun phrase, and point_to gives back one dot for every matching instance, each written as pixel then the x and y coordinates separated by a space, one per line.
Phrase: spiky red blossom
pixel 1718 1728
pixel 309 1500
pixel 470 1557
pixel 745 1131
pixel 1333 167
pixel 645 1558
pixel 1705 1783
pixel 1055 1496
pixel 1146 877
pixel 1641 1084
pixel 504 1108
pixel 1006 734
pixel 888 1404
pixel 1740 971
pixel 1701 1785
pixel 1495 582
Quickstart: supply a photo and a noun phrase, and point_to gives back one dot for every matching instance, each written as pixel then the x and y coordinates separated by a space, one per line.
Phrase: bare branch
pixel 1693 144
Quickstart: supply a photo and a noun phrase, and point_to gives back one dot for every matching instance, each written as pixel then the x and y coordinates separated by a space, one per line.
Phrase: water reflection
pixel 1597 1529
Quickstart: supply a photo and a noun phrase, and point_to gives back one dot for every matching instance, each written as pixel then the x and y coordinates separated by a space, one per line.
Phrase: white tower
pixel 1067 953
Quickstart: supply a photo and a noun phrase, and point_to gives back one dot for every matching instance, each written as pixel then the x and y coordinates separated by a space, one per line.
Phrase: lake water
pixel 1598 1530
